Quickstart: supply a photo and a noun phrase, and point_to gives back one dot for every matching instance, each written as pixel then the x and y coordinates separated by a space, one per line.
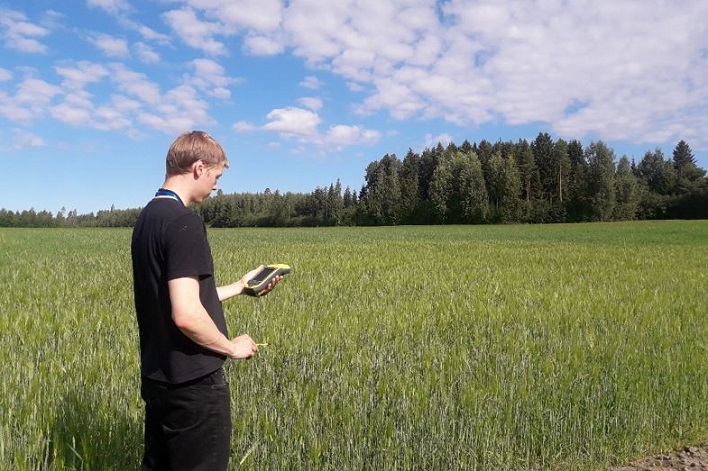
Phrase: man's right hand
pixel 243 347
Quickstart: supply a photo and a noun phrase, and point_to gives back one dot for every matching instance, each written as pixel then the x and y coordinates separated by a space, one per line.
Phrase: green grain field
pixel 403 348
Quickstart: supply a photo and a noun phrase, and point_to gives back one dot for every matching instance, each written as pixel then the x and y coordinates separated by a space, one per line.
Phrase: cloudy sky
pixel 304 92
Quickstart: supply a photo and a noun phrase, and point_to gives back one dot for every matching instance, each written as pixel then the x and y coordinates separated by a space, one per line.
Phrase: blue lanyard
pixel 163 192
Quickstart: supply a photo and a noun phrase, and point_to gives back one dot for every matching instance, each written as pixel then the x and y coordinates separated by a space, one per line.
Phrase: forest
pixel 542 181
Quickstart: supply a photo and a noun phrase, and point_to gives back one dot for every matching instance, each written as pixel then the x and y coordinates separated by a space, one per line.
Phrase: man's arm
pixel 192 319
pixel 227 291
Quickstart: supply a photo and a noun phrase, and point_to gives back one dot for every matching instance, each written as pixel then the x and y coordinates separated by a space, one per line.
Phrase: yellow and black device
pixel 257 284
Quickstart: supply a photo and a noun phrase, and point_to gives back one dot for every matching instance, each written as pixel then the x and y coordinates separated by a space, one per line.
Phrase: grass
pixel 462 347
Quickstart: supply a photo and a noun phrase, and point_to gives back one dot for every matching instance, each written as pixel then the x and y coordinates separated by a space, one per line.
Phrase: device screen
pixel 263 274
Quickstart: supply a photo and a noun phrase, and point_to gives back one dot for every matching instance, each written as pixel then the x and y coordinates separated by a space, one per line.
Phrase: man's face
pixel 208 181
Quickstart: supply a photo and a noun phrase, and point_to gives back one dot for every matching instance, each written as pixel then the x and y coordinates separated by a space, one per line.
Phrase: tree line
pixel 542 181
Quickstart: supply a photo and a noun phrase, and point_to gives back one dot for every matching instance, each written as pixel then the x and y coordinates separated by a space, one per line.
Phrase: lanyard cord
pixel 165 193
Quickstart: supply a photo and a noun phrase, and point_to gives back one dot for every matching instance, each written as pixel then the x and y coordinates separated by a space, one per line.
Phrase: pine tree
pixel 561 168
pixel 689 177
pixel 601 180
pixel 576 186
pixel 657 172
pixel 542 148
pixel 628 191
pixel 383 191
pixel 505 186
pixel 528 171
pixel 410 186
pixel 458 191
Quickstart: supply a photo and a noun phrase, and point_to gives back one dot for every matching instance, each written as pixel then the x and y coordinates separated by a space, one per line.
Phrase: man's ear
pixel 198 168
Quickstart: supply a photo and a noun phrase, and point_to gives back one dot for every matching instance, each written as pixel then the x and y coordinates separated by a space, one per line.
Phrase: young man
pixel 183 335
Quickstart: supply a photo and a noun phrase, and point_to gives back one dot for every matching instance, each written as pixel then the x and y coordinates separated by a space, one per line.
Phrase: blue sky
pixel 304 92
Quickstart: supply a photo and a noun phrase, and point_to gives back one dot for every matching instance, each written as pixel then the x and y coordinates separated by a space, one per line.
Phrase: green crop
pixel 403 348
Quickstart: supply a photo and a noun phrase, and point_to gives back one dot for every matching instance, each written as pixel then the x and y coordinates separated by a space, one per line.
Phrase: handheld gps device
pixel 257 284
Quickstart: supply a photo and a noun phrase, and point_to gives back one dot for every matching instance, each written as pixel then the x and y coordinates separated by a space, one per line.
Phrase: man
pixel 183 335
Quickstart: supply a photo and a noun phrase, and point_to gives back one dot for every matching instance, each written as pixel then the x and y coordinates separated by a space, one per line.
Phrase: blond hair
pixel 191 147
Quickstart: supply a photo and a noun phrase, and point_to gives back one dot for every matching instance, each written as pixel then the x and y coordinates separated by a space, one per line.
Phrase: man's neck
pixel 174 185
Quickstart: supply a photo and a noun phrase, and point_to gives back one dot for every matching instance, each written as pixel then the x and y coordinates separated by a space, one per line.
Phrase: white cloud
pixel 150 34
pixel 21 35
pixel 78 109
pixel 22 139
pixel 341 135
pixel 258 18
pixel 82 73
pixel 262 46
pixel 136 84
pixel 15 112
pixel 314 27
pixel 313 103
pixel 36 92
pixel 195 32
pixel 396 96
pixel 633 70
pixel 111 6
pixel 124 104
pixel 146 54
pixel 110 117
pixel 210 77
pixel 5 75
pixel 261 15
pixel 32 100
pixel 75 110
pixel 634 65
pixel 243 126
pixel 311 82
pixel 139 102
pixel 169 123
pixel 183 104
pixel 433 141
pixel 355 87
pixel 303 124
pixel 208 68
pixel 110 45
pixel 293 122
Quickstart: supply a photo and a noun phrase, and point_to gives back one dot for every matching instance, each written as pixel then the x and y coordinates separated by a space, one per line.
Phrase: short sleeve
pixel 186 250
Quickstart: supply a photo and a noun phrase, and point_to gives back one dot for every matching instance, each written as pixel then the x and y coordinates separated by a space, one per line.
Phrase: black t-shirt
pixel 169 241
